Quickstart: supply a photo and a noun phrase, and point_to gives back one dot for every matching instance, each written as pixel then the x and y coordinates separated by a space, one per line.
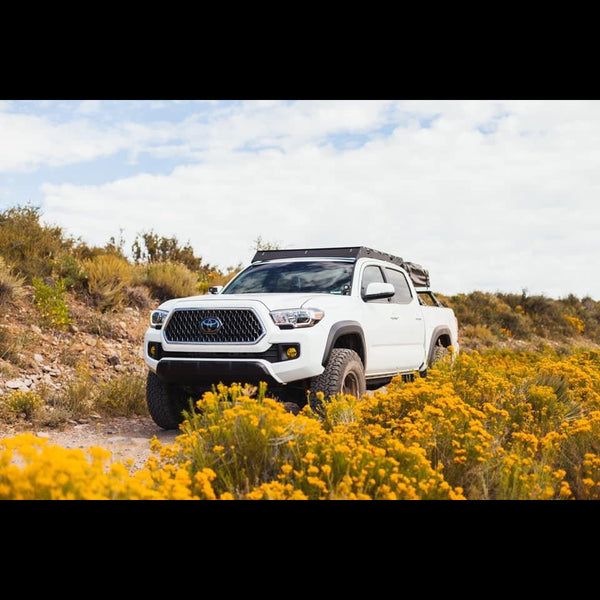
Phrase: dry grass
pixel 170 280
pixel 107 277
pixel 11 286
pixel 122 396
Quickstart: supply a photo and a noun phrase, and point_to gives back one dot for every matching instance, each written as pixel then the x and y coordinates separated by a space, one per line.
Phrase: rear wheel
pixel 344 374
pixel 439 352
pixel 166 402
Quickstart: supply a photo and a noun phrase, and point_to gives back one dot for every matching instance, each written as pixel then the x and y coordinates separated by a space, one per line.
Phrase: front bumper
pixel 208 372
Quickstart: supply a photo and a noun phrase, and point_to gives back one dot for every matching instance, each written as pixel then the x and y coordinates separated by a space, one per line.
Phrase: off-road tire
pixel 438 353
pixel 165 402
pixel 343 364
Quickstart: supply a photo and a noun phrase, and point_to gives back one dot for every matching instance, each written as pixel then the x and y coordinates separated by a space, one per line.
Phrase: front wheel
pixel 344 374
pixel 166 402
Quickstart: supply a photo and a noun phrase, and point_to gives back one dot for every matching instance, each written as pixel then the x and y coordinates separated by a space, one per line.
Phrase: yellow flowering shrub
pixel 496 425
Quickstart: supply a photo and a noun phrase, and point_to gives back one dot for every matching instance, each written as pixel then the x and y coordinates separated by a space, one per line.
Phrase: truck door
pixel 381 330
pixel 407 323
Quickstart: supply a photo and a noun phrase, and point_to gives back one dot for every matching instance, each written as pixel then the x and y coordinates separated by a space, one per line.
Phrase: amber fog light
pixel 290 351
pixel 154 350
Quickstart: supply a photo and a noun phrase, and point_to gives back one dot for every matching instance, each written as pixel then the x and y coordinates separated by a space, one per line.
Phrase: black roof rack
pixel 354 252
pixel 419 275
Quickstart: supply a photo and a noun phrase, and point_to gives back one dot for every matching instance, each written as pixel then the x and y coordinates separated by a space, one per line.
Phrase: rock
pixel 38 358
pixel 43 434
pixel 15 384
pixel 110 431
pixel 46 368
pixel 129 309
pixel 114 360
pixel 95 416
pixel 78 348
pixel 35 329
pixel 27 382
pixel 73 328
pixel 119 368
pixel 123 325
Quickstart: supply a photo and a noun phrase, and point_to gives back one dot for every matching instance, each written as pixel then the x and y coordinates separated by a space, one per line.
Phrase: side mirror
pixel 215 289
pixel 377 290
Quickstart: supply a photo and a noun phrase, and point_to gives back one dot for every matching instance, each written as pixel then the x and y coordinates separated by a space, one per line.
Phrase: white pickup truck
pixel 312 320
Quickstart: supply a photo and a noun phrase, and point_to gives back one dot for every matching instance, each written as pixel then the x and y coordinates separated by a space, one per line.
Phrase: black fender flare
pixel 337 331
pixel 437 332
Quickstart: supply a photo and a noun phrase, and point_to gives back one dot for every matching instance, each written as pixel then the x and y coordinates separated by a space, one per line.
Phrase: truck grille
pixel 238 326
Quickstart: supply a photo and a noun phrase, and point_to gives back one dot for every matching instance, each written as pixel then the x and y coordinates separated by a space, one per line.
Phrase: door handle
pixel 418 318
pixel 395 318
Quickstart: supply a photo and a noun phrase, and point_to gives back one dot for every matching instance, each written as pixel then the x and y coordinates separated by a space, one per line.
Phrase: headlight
pixel 297 317
pixel 157 318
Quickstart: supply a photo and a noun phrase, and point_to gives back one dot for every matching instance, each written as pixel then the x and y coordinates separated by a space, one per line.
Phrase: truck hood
pixel 270 301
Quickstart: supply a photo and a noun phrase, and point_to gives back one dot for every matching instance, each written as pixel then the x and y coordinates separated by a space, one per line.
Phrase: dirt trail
pixel 124 437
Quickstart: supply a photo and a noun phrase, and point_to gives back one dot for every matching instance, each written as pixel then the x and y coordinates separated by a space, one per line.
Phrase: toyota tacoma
pixel 331 320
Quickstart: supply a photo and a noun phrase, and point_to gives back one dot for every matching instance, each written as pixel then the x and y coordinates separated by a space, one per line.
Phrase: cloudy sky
pixel 488 195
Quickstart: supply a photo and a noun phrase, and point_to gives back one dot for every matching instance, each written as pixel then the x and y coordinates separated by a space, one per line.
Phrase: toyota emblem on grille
pixel 211 325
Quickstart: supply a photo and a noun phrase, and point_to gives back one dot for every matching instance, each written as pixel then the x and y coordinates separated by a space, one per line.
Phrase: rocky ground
pixel 34 357
pixel 103 343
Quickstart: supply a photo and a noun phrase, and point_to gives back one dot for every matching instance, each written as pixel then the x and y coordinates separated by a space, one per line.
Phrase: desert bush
pixel 107 276
pixel 6 342
pixel 29 246
pixel 124 396
pixel 51 304
pixel 170 280
pixel 138 296
pixel 31 468
pixel 69 357
pixel 149 247
pixel 11 286
pixel 19 403
pixel 68 268
pixel 77 397
pixel 102 325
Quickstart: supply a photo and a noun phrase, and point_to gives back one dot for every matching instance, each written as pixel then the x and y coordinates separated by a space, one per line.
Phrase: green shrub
pixel 71 270
pixel 170 280
pixel 123 396
pixel 51 303
pixel 107 276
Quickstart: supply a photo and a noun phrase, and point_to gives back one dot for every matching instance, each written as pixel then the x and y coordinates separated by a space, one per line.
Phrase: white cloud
pixel 490 195
pixel 88 107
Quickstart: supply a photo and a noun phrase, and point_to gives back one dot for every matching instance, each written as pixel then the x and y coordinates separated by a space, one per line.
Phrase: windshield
pixel 312 277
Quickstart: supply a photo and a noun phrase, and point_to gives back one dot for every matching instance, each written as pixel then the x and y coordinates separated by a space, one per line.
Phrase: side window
pixel 370 275
pixel 397 279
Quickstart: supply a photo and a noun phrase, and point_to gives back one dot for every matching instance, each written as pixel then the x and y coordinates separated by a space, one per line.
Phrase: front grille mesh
pixel 240 326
